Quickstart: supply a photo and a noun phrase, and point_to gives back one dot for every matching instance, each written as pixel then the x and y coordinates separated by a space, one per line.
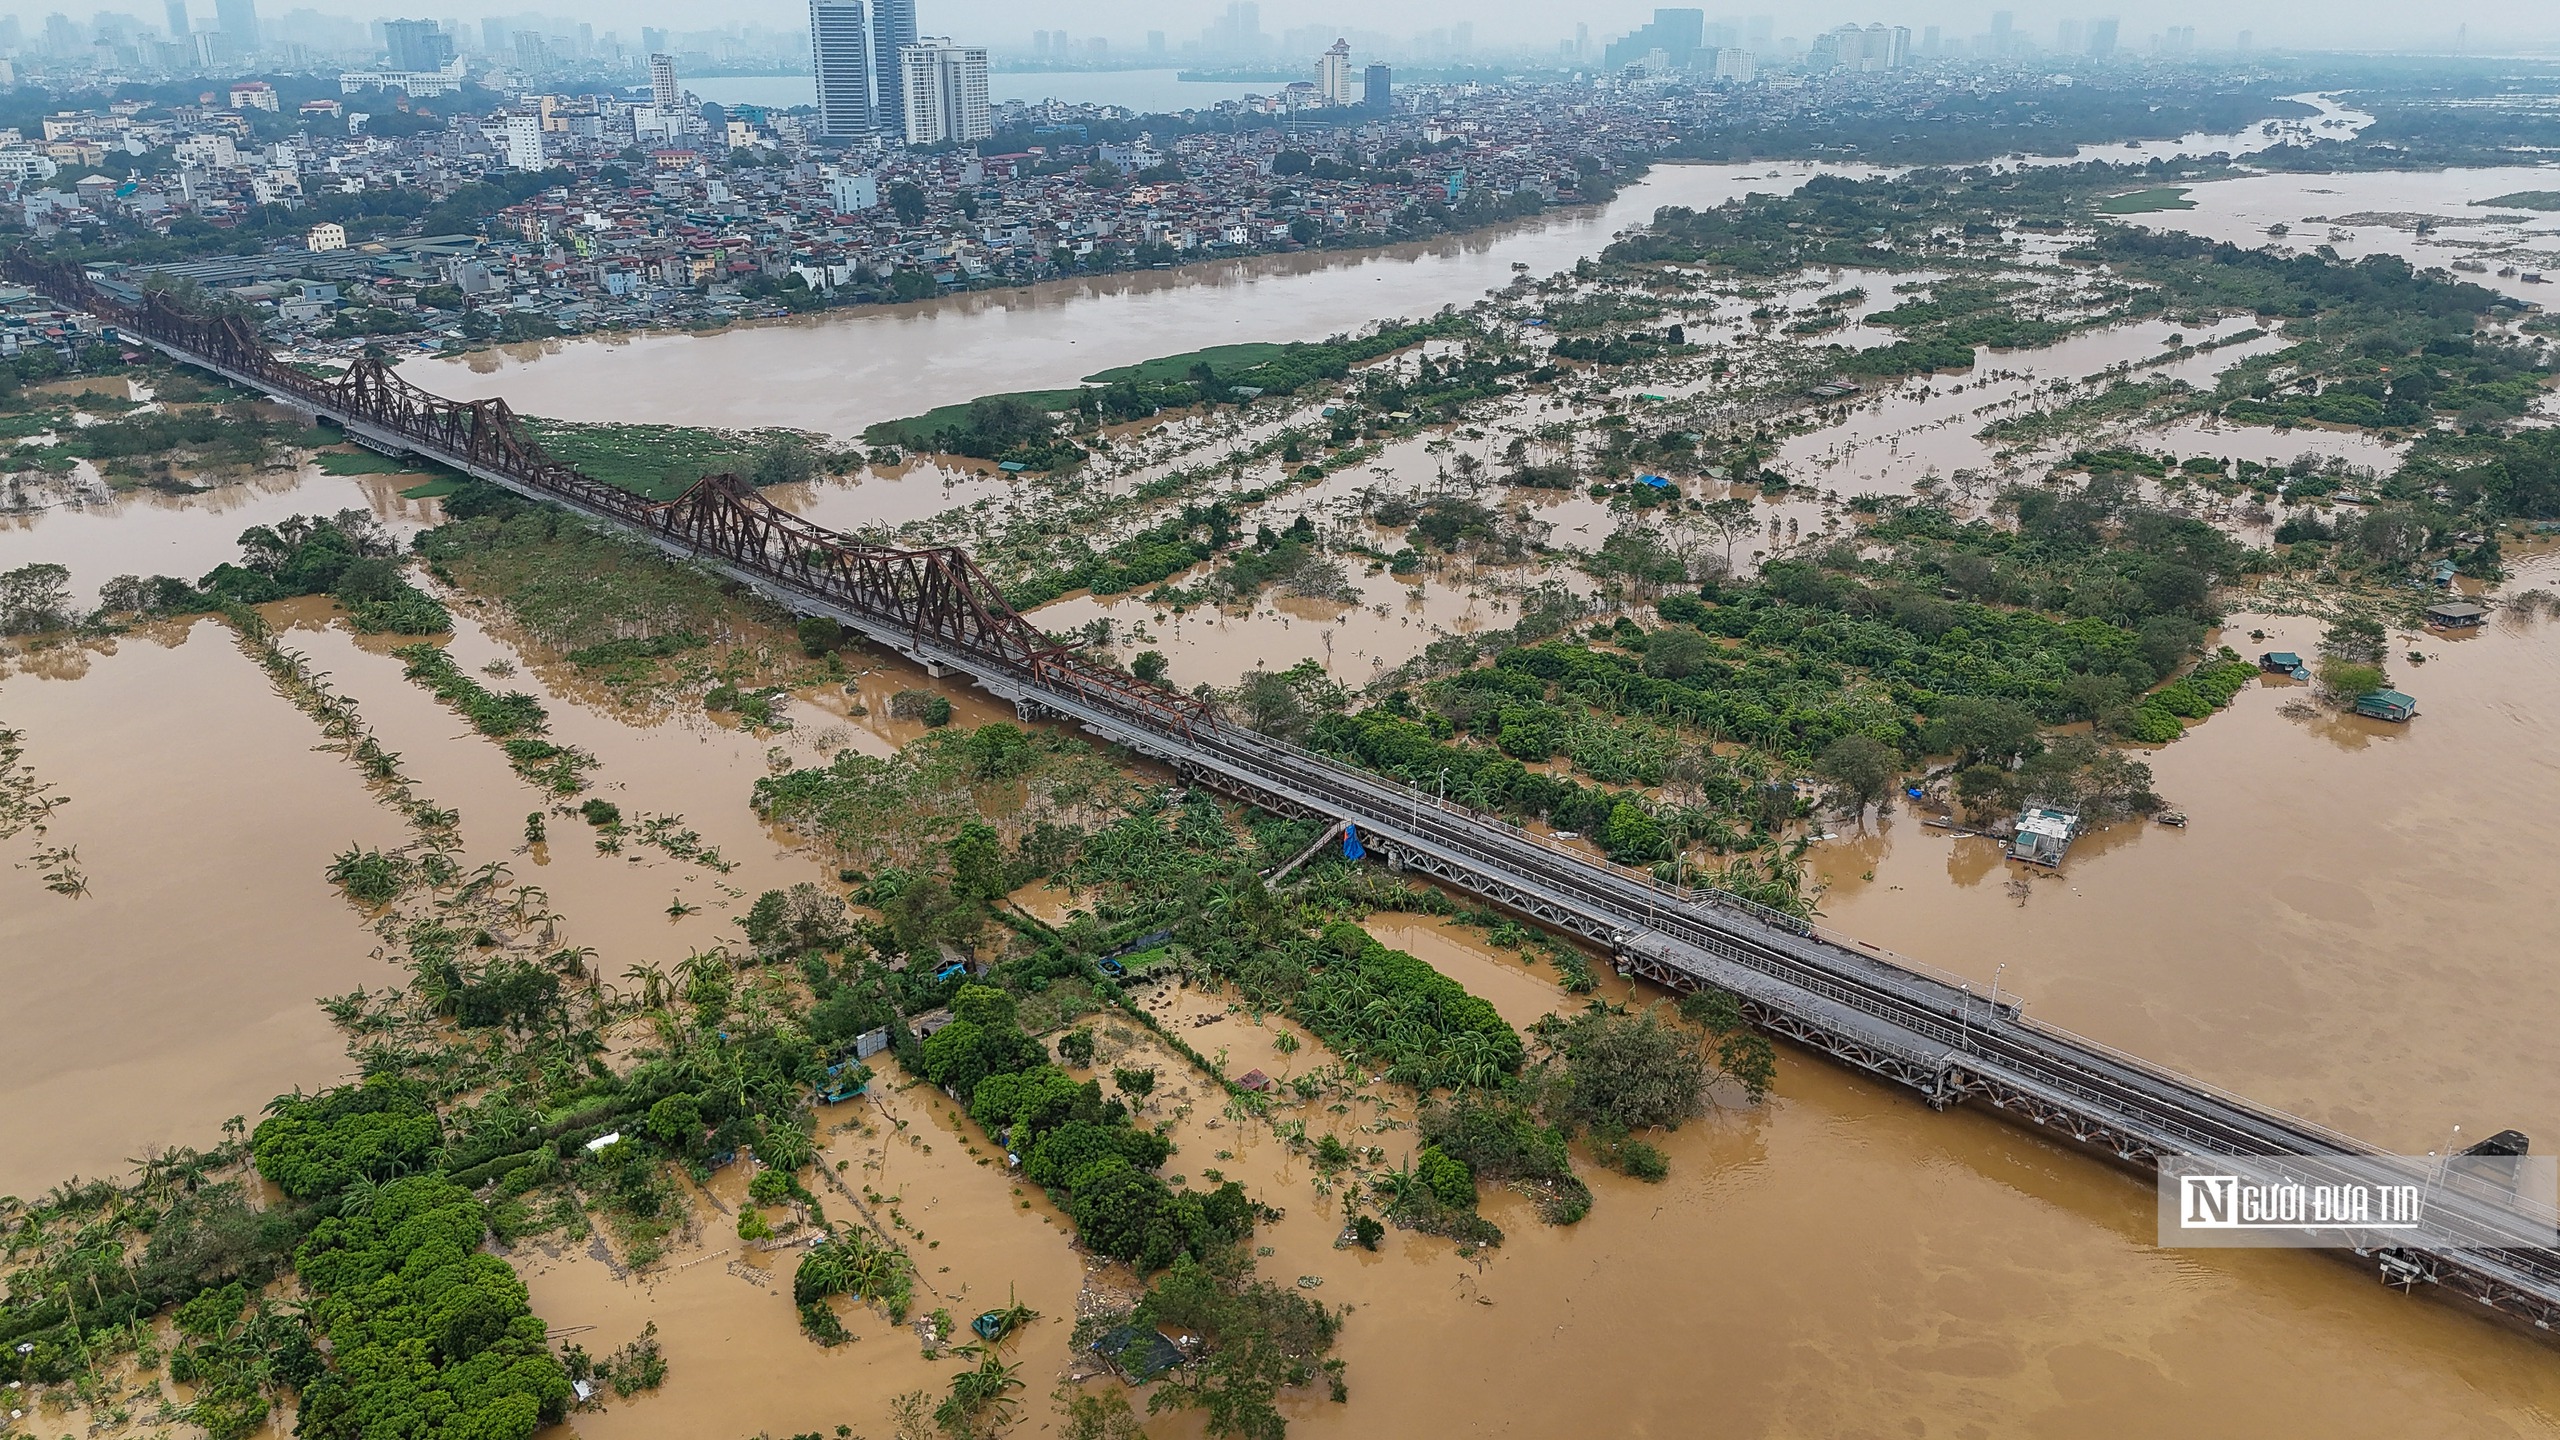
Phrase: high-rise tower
pixel 840 53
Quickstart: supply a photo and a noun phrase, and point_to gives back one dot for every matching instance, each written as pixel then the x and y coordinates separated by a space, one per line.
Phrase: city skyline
pixel 1509 26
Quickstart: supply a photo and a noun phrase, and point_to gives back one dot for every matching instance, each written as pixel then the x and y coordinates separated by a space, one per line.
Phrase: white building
pixel 1333 76
pixel 326 236
pixel 840 51
pixel 946 92
pixel 207 152
pixel 522 142
pixel 420 84
pixel 852 194
pixel 1735 65
pixel 663 95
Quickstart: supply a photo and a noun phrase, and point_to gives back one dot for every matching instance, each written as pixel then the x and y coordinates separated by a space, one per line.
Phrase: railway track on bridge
pixel 1892 1018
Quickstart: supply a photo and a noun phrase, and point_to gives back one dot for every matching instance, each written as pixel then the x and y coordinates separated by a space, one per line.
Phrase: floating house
pixel 2386 705
pixel 2045 833
pixel 2284 662
pixel 2456 614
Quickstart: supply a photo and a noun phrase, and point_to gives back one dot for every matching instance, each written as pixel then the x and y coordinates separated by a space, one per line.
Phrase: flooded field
pixel 2429 218
pixel 153 532
pixel 179 990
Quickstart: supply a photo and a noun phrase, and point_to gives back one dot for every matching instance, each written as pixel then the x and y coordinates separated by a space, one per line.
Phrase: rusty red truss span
pixel 926 597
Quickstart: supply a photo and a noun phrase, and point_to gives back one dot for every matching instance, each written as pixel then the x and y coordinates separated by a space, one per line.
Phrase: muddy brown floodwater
pixel 2360 929
pixel 179 991
pixel 153 532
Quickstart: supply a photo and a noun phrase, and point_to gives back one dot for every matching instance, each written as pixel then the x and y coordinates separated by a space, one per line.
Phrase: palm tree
pixel 653 985
pixel 703 967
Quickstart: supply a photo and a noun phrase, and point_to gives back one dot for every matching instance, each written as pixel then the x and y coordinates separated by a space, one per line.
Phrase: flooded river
pixel 2350 927
pixel 840 373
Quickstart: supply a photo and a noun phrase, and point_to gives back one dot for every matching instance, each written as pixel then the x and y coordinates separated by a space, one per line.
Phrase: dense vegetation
pixel 659 462
pixel 346 555
pixel 427 1337
pixel 1026 427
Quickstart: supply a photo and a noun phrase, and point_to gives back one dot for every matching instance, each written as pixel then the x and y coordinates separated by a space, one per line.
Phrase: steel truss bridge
pixel 1916 1027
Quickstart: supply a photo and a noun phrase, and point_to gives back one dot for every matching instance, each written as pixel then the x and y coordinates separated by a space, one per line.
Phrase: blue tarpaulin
pixel 1656 481
pixel 1351 843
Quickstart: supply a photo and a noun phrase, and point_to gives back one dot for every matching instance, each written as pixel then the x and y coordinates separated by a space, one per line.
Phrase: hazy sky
pixel 2296 23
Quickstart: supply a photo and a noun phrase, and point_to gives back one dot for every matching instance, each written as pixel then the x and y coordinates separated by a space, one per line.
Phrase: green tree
pixel 1862 769
pixel 977 862
pixel 907 200
pixel 1630 1072
pixel 1677 653
pixel 676 1122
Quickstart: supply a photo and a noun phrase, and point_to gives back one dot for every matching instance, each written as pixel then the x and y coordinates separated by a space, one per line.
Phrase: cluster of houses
pixel 642 226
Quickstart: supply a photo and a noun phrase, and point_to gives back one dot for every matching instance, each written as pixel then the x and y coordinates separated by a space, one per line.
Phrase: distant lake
pixel 1146 91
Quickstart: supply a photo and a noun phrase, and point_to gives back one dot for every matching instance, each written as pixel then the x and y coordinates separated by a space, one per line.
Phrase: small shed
pixel 2284 662
pixel 2045 832
pixel 2456 614
pixel 1139 1355
pixel 1253 1080
pixel 2386 705
pixel 2442 576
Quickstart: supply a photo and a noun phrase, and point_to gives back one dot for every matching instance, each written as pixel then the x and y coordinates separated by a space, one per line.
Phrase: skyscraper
pixel 664 97
pixel 1378 91
pixel 1333 75
pixel 416 45
pixel 840 46
pixel 179 25
pixel 653 39
pixel 239 22
pixel 2102 38
pixel 893 29
pixel 1676 33
pixel 945 88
